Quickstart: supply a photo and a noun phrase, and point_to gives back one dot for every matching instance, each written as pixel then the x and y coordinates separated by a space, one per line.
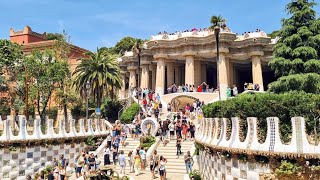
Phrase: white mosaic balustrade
pixel 212 166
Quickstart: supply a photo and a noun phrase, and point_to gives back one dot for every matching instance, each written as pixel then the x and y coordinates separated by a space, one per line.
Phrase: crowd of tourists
pixel 203 87
pixel 188 30
pixel 251 86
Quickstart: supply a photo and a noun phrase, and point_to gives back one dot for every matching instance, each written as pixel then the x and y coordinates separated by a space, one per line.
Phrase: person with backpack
pixel 153 163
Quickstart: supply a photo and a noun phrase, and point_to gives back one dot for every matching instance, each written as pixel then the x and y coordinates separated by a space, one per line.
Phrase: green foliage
pixel 54 36
pixel 195 175
pixel 129 114
pixel 309 83
pixel 243 158
pixel 273 34
pixel 288 169
pixel 90 141
pixel 125 44
pixel 53 113
pixel 147 141
pixel 100 70
pixel 110 109
pixel 4 107
pixel 216 21
pixel 284 106
pixel 10 56
pixel 297 51
pixel 47 73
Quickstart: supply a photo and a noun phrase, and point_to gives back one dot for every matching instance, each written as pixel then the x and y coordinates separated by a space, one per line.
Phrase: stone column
pixel 160 76
pixel 203 72
pixel 123 87
pixel 145 76
pixel 257 71
pixel 230 74
pixel 222 73
pixel 132 78
pixel 153 71
pixel 197 73
pixel 189 71
pixel 177 75
pixel 170 73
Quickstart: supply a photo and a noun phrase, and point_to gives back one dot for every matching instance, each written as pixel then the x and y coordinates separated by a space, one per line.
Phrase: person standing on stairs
pixel 137 163
pixel 131 160
pixel 154 163
pixel 122 162
pixel 143 153
pixel 188 161
pixel 162 168
pixel 107 153
pixel 178 144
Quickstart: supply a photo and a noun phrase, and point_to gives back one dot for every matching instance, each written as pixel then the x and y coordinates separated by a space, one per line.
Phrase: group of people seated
pixel 177 32
pixel 203 87
pixel 251 86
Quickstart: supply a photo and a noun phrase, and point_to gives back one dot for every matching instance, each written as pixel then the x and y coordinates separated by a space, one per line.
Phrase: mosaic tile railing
pixel 100 128
pixel 212 134
pixel 299 146
pixel 26 160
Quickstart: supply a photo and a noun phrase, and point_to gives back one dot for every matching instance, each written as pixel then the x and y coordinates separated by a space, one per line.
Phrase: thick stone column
pixel 222 75
pixel 132 78
pixel 177 75
pixel 170 73
pixel 145 76
pixel 189 71
pixel 154 72
pixel 123 87
pixel 230 74
pixel 257 71
pixel 160 76
pixel 197 73
pixel 203 72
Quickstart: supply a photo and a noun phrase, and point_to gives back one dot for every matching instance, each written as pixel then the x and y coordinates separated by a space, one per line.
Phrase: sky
pixel 99 23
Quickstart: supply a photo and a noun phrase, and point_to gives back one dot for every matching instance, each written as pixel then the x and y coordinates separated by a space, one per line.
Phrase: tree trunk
pixel 112 92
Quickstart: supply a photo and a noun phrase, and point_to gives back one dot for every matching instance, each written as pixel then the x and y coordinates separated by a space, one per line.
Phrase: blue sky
pixel 97 23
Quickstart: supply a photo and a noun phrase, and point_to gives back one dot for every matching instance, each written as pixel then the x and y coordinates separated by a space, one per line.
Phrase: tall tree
pixel 99 69
pixel 125 44
pixel 297 53
pixel 10 64
pixel 46 73
pixel 216 21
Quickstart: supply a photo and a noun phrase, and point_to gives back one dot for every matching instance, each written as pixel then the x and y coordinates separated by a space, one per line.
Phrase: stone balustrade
pixel 210 135
pixel 101 128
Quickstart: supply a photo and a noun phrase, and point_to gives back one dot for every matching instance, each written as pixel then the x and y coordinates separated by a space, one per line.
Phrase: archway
pixel 180 102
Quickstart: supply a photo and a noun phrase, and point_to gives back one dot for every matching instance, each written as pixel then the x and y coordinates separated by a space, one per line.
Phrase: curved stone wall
pixel 212 134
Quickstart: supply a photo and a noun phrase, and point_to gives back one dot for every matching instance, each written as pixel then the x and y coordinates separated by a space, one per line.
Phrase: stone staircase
pixel 175 165
pixel 131 144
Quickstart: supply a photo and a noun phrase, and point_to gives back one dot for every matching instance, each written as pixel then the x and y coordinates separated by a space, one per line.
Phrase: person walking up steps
pixel 130 160
pixel 122 162
pixel 107 153
pixel 162 168
pixel 154 163
pixel 137 163
pixel 188 161
pixel 178 144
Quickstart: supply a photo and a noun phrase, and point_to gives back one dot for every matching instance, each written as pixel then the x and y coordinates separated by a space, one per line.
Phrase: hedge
pixel 147 141
pixel 263 105
pixel 129 114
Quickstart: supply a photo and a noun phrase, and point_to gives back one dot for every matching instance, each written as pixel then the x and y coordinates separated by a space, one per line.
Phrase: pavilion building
pixel 191 58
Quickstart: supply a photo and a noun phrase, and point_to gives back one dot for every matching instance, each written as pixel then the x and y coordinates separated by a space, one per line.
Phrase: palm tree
pixel 216 21
pixel 100 70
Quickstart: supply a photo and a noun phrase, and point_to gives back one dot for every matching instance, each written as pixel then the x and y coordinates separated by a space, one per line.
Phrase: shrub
pixel 263 105
pixel 287 169
pixel 129 114
pixel 147 141
pixel 195 175
pixel 110 109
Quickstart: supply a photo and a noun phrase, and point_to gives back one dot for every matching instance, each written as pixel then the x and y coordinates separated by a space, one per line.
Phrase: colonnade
pixel 192 72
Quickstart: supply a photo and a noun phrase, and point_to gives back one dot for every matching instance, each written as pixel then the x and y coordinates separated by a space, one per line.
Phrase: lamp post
pixel 217 33
pixel 27 93
pixel 87 96
pixel 138 50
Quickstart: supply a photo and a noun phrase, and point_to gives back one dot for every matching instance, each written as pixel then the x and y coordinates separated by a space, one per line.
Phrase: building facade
pixel 191 58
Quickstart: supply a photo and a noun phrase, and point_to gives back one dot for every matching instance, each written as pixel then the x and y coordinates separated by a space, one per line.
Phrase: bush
pixel 263 105
pixel 129 114
pixel 147 141
pixel 195 175
pixel 110 109
pixel 309 83
pixel 287 169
